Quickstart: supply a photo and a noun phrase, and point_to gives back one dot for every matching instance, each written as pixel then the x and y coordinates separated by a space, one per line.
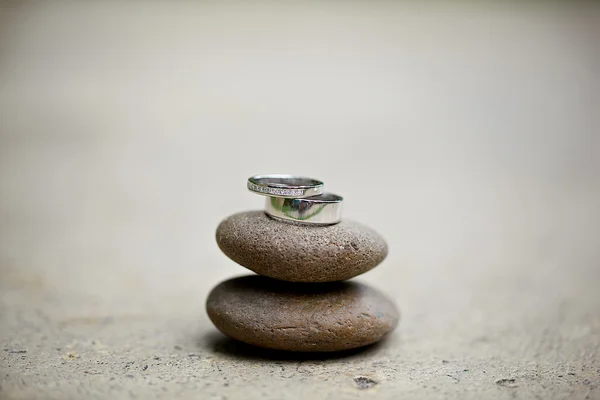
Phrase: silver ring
pixel 325 209
pixel 288 186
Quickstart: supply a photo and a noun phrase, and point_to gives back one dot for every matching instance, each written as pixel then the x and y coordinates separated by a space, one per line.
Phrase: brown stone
pixel 300 253
pixel 301 316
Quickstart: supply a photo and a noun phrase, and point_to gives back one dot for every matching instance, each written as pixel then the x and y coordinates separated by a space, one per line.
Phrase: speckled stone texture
pixel 300 316
pixel 299 253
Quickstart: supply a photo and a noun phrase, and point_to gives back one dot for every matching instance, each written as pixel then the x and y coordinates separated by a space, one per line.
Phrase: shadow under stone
pixel 223 345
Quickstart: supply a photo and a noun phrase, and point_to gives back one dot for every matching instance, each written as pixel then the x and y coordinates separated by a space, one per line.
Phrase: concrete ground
pixel 467 135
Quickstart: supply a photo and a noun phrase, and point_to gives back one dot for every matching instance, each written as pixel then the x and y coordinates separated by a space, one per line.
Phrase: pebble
pixel 301 316
pixel 300 253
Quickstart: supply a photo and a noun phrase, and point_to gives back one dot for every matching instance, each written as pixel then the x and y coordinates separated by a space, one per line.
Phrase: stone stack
pixel 301 299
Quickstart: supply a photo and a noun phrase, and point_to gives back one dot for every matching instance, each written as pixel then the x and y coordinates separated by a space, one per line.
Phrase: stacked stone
pixel 301 299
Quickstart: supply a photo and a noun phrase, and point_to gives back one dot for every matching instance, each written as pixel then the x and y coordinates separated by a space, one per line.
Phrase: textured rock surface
pixel 301 316
pixel 300 253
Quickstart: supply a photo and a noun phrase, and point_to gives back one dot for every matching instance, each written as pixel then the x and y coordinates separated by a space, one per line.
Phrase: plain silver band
pixel 325 209
pixel 286 186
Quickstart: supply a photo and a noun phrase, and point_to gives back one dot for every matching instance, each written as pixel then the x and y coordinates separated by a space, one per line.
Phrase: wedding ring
pixel 286 186
pixel 325 209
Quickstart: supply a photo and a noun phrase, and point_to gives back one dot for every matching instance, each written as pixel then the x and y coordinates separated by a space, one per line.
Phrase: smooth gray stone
pixel 317 317
pixel 300 253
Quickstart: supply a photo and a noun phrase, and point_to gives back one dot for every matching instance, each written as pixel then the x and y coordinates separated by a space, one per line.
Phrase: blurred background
pixel 466 134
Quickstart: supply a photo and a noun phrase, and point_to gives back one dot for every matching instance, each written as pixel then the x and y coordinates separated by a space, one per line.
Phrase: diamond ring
pixel 286 186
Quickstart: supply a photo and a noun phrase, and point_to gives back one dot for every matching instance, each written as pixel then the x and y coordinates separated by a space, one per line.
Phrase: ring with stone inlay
pixel 285 186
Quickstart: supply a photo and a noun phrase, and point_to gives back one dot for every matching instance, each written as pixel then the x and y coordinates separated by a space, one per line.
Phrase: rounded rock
pixel 300 316
pixel 300 253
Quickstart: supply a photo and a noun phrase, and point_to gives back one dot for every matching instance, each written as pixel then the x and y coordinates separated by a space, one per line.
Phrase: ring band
pixel 287 186
pixel 325 209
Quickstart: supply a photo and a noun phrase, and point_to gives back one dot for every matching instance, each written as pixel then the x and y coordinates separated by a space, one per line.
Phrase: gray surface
pixel 128 132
